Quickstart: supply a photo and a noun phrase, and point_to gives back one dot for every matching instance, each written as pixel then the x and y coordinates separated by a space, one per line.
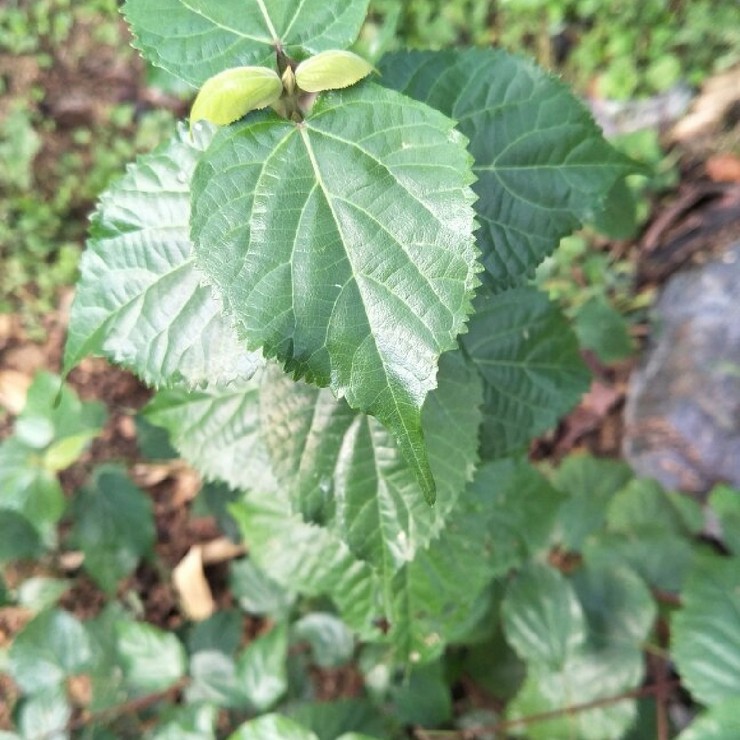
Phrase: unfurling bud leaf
pixel 234 92
pixel 331 70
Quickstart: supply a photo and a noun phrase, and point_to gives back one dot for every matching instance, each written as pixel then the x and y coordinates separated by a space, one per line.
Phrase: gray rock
pixel 683 405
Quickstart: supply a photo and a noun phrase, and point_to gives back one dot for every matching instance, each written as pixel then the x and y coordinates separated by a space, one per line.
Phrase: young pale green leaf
pixel 341 251
pixel 583 642
pixel 542 618
pixel 345 471
pixel 531 367
pixel 51 648
pixel 113 524
pixel 231 94
pixel 542 164
pixel 272 727
pixel 197 39
pixel 218 431
pixel 331 70
pixel 706 630
pixel 720 722
pixel 140 301
pixel 152 660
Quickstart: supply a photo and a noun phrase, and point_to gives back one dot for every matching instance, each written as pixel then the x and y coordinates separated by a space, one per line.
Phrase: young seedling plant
pixel 326 274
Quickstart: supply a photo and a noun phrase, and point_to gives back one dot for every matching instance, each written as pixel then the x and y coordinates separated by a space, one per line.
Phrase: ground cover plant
pixel 335 301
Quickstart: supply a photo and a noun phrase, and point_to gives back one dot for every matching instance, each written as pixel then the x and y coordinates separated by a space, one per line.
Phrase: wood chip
pixel 194 593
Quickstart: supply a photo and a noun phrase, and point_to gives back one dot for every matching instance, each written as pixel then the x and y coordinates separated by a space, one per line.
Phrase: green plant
pixel 340 244
pixel 379 254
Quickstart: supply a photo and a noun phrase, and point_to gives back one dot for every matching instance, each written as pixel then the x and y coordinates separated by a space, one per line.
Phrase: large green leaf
pixel 706 631
pixel 218 431
pixel 343 247
pixel 140 301
pixel 532 370
pixel 725 502
pixel 590 485
pixel 113 524
pixel 542 164
pixel 195 39
pixel 582 642
pixel 345 471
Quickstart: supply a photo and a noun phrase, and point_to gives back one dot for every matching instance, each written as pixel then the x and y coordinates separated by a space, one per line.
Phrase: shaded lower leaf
pixel 725 502
pixel 196 722
pixel 152 660
pixel 272 727
pixel 706 630
pixel 18 539
pixel 113 524
pixel 51 648
pixel 589 484
pixel 262 668
pixel 599 623
pixel 218 431
pixel 719 722
pixel 331 642
pixel 330 719
pixel 529 361
pixel 46 715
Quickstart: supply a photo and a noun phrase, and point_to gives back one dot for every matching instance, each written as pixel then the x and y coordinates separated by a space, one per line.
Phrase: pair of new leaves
pixel 233 93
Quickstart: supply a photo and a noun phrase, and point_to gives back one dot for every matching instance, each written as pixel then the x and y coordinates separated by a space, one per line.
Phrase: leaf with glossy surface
pixel 140 301
pixel 218 431
pixel 345 471
pixel 45 715
pixel 196 39
pixel 530 363
pixel 113 524
pixel 543 166
pixel 341 252
pixel 706 630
